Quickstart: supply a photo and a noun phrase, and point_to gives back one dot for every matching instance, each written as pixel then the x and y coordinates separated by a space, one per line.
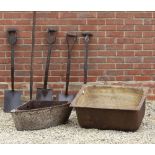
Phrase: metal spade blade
pixel 44 94
pixel 12 100
pixel 63 97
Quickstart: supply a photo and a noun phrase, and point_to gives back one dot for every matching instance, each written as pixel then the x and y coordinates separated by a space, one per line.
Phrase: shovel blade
pixel 12 100
pixel 44 94
pixel 63 97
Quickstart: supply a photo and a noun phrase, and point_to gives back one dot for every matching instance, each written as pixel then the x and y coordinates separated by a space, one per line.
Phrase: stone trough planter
pixel 35 115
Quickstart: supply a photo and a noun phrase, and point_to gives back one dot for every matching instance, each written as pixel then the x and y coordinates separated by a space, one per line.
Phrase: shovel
pixel 86 36
pixel 12 98
pixel 71 39
pixel 44 94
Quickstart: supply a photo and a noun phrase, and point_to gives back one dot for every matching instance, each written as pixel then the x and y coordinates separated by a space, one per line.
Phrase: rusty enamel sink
pixel 35 115
pixel 110 107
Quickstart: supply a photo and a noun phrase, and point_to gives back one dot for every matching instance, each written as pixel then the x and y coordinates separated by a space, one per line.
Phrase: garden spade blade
pixel 44 94
pixel 63 97
pixel 12 98
pixel 71 38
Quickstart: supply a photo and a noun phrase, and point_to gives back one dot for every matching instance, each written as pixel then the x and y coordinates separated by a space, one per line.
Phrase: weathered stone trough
pixel 35 115
pixel 110 107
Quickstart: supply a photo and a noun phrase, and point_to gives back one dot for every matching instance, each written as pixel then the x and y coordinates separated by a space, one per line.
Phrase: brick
pixel 5 73
pixel 10 15
pixel 143 53
pixel 148 34
pixel 106 15
pixel 114 47
pixel 87 28
pixel 143 15
pixel 90 66
pixel 149 46
pixel 86 15
pixel 3 86
pixel 149 60
pixel 115 60
pixel 99 34
pixel 106 40
pixel 124 15
pixel 114 34
pixel 95 72
pixel 149 72
pixel 133 72
pixel 133 34
pixel 54 79
pixel 114 22
pixel 97 60
pixel 125 40
pixel 106 66
pixel 124 78
pixel 125 27
pixel 95 21
pixel 69 28
pixel 114 72
pixel 133 22
pixel 3 79
pixel 43 14
pixel 142 66
pixel 68 15
pixel 91 79
pixel 143 40
pixel 107 28
pixel 143 27
pixel 4 61
pixel 124 66
pixel 106 53
pixel 142 78
pixel 133 47
pixel 149 21
pixel 133 60
pixel 61 22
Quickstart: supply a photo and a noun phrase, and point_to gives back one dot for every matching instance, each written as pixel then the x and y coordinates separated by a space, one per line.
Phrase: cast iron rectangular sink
pixel 110 107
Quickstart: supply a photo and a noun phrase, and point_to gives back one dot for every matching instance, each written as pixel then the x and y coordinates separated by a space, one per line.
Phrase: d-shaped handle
pixel 12 36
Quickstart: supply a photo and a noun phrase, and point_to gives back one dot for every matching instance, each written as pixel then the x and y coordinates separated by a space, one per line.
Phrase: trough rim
pixel 85 86
pixel 64 103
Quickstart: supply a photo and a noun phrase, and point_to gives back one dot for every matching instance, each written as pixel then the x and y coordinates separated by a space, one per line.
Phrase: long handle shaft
pixel 68 71
pixel 86 63
pixel 47 66
pixel 12 68
pixel 32 54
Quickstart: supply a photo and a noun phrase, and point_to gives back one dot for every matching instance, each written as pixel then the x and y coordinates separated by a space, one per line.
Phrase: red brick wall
pixel 122 48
